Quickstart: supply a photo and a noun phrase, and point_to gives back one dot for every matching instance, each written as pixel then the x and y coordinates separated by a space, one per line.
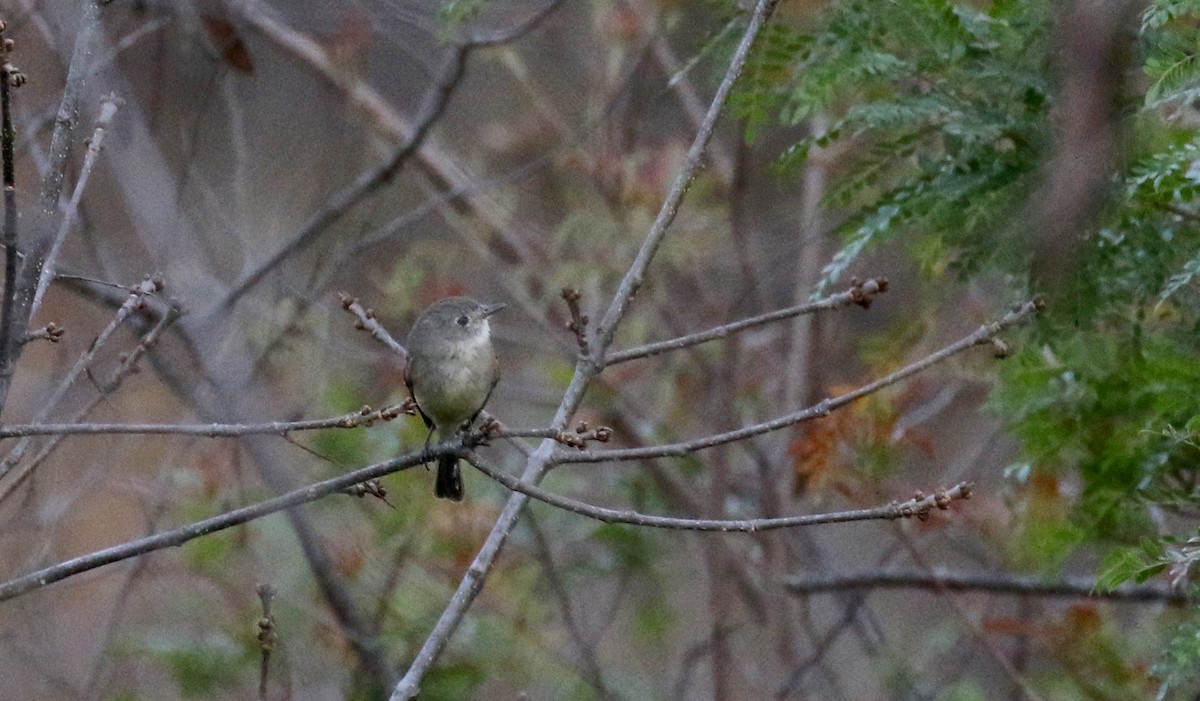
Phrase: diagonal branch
pixel 135 298
pixel 107 110
pixel 17 305
pixel 179 536
pixel 128 365
pixel 586 370
pixel 632 281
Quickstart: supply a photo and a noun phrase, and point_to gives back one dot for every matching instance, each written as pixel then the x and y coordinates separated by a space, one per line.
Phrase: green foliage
pixel 1171 63
pixel 937 112
pixel 457 12
pixel 1179 665
pixel 201 664
pixel 939 115
pixel 452 680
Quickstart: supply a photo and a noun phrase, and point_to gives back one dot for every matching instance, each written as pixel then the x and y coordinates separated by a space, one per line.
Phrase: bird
pixel 451 372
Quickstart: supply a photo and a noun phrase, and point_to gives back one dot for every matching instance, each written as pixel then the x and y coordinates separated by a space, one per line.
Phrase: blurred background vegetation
pixel 974 153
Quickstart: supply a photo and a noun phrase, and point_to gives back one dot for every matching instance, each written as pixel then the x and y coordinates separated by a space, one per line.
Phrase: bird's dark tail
pixel 449 483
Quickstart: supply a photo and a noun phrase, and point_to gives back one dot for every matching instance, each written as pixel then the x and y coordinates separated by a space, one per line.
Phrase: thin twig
pixel 860 293
pixel 128 365
pixel 981 335
pixel 267 636
pixel 585 371
pixel 590 666
pixel 51 332
pixel 178 536
pixel 579 320
pixel 368 322
pixel 919 507
pixel 8 349
pixel 994 583
pixel 108 108
pixel 132 302
pixel 632 281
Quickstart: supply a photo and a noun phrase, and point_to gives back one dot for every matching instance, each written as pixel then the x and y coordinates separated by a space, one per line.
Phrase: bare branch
pixel 860 293
pixel 8 327
pixel 589 666
pixel 132 303
pixel 363 417
pixel 982 335
pixel 579 321
pixel 267 637
pixel 632 281
pixel 16 309
pixel 919 506
pixel 51 332
pixel 368 322
pixel 108 109
pixel 179 536
pixel 995 583
pixel 128 365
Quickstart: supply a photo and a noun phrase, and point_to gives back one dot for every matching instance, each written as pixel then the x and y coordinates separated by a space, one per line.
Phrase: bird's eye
pixel 462 320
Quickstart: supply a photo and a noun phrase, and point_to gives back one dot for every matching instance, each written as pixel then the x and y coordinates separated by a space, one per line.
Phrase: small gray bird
pixel 451 373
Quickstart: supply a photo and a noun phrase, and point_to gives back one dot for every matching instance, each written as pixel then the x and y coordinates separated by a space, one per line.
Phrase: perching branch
pixel 982 335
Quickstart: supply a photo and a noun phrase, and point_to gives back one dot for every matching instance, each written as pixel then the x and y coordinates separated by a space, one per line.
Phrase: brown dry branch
pixel 579 321
pixel 586 369
pixel 15 314
pixel 8 329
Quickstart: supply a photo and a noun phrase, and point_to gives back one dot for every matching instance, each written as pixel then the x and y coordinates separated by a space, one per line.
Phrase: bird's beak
pixel 490 309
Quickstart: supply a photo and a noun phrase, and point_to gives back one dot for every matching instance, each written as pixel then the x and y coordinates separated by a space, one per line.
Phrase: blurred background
pixel 265 156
